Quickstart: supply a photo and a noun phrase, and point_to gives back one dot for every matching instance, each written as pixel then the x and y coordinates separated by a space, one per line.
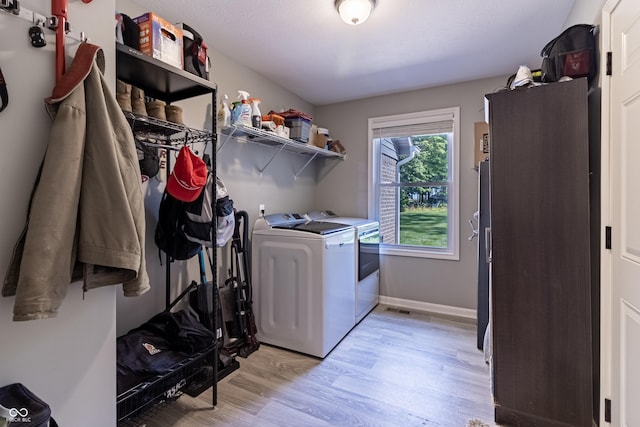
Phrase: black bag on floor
pixel 20 407
pixel 572 54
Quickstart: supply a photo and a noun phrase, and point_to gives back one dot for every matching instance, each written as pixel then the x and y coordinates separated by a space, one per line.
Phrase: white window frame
pixel 453 226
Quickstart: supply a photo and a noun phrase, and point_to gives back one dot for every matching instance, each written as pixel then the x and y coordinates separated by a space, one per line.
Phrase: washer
pixel 302 300
pixel 367 258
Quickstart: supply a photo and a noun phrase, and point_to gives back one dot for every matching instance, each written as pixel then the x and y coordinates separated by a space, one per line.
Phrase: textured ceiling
pixel 406 44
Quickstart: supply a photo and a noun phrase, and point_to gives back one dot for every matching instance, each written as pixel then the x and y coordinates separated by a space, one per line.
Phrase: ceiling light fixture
pixel 355 12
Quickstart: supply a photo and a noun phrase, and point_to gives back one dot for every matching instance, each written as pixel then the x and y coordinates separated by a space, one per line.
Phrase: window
pixel 413 170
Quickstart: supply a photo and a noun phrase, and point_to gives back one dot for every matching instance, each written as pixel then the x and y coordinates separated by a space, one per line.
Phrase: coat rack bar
pixel 59 11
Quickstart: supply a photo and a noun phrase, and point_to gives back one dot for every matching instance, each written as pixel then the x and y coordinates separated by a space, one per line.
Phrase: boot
pixel 156 109
pixel 123 95
pixel 137 101
pixel 174 114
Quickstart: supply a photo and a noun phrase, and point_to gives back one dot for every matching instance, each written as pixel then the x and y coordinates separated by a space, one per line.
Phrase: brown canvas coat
pixel 86 218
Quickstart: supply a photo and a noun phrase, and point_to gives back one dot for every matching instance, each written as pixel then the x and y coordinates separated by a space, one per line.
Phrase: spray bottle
pixel 235 111
pixel 224 115
pixel 244 109
pixel 256 116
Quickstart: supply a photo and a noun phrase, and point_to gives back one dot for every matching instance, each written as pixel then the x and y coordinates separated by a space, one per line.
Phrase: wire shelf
pixel 265 137
pixel 167 132
pixel 189 373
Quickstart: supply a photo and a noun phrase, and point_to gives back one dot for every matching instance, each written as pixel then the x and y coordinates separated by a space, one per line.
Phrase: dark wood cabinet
pixel 541 274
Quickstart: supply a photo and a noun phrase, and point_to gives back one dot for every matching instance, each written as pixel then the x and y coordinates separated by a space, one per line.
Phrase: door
pixel 623 17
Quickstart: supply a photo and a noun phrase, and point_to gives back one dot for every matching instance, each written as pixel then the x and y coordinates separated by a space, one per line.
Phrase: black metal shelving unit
pixel 158 79
pixel 168 83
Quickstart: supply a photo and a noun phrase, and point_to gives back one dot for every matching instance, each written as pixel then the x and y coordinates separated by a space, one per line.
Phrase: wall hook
pixel 36 36
pixel 52 23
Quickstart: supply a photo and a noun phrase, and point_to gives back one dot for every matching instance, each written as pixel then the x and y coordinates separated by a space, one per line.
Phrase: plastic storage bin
pixel 300 129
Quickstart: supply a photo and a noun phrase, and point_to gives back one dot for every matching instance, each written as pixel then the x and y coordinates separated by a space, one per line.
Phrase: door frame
pixel 606 321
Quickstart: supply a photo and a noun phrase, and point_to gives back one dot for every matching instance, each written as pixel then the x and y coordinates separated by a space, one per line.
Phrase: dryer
pixel 303 298
pixel 367 258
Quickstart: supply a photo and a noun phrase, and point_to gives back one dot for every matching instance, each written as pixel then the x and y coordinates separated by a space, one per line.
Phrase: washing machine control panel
pixel 284 219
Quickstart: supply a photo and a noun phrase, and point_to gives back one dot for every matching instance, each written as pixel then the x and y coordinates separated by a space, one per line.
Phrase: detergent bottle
pixel 235 111
pixel 256 116
pixel 224 115
pixel 244 109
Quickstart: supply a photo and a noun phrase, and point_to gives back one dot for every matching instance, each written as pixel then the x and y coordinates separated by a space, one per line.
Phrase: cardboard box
pixel 160 39
pixel 480 142
pixel 317 139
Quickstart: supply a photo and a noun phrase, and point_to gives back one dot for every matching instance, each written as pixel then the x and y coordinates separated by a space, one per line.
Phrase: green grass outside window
pixel 424 227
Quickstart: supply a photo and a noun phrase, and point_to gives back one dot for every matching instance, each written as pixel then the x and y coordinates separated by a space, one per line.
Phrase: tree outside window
pixel 423 206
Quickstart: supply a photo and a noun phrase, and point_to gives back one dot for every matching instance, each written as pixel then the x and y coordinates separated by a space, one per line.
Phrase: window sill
pixel 419 253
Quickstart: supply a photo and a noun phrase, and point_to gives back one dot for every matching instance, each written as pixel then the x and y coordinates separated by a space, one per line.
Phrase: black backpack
pixel 169 235
pixel 183 227
pixel 572 54
pixel 198 225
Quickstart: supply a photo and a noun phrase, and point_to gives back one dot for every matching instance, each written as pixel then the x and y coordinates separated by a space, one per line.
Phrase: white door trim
pixel 605 205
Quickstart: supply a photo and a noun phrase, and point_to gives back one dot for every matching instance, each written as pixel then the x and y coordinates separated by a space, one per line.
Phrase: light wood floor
pixel 393 369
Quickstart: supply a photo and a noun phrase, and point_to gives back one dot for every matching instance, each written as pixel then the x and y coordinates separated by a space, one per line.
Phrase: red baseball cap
pixel 188 176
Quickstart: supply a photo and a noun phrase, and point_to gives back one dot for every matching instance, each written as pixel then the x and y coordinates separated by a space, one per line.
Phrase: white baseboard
pixel 429 307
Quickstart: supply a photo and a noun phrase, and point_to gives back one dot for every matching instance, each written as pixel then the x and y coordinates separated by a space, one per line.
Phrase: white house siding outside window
pixel 413 176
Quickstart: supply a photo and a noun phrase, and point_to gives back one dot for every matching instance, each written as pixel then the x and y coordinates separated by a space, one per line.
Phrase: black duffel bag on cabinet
pixel 571 54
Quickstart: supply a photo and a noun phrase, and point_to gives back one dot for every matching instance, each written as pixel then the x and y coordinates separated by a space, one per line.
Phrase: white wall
pixel 585 12
pixel 68 361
